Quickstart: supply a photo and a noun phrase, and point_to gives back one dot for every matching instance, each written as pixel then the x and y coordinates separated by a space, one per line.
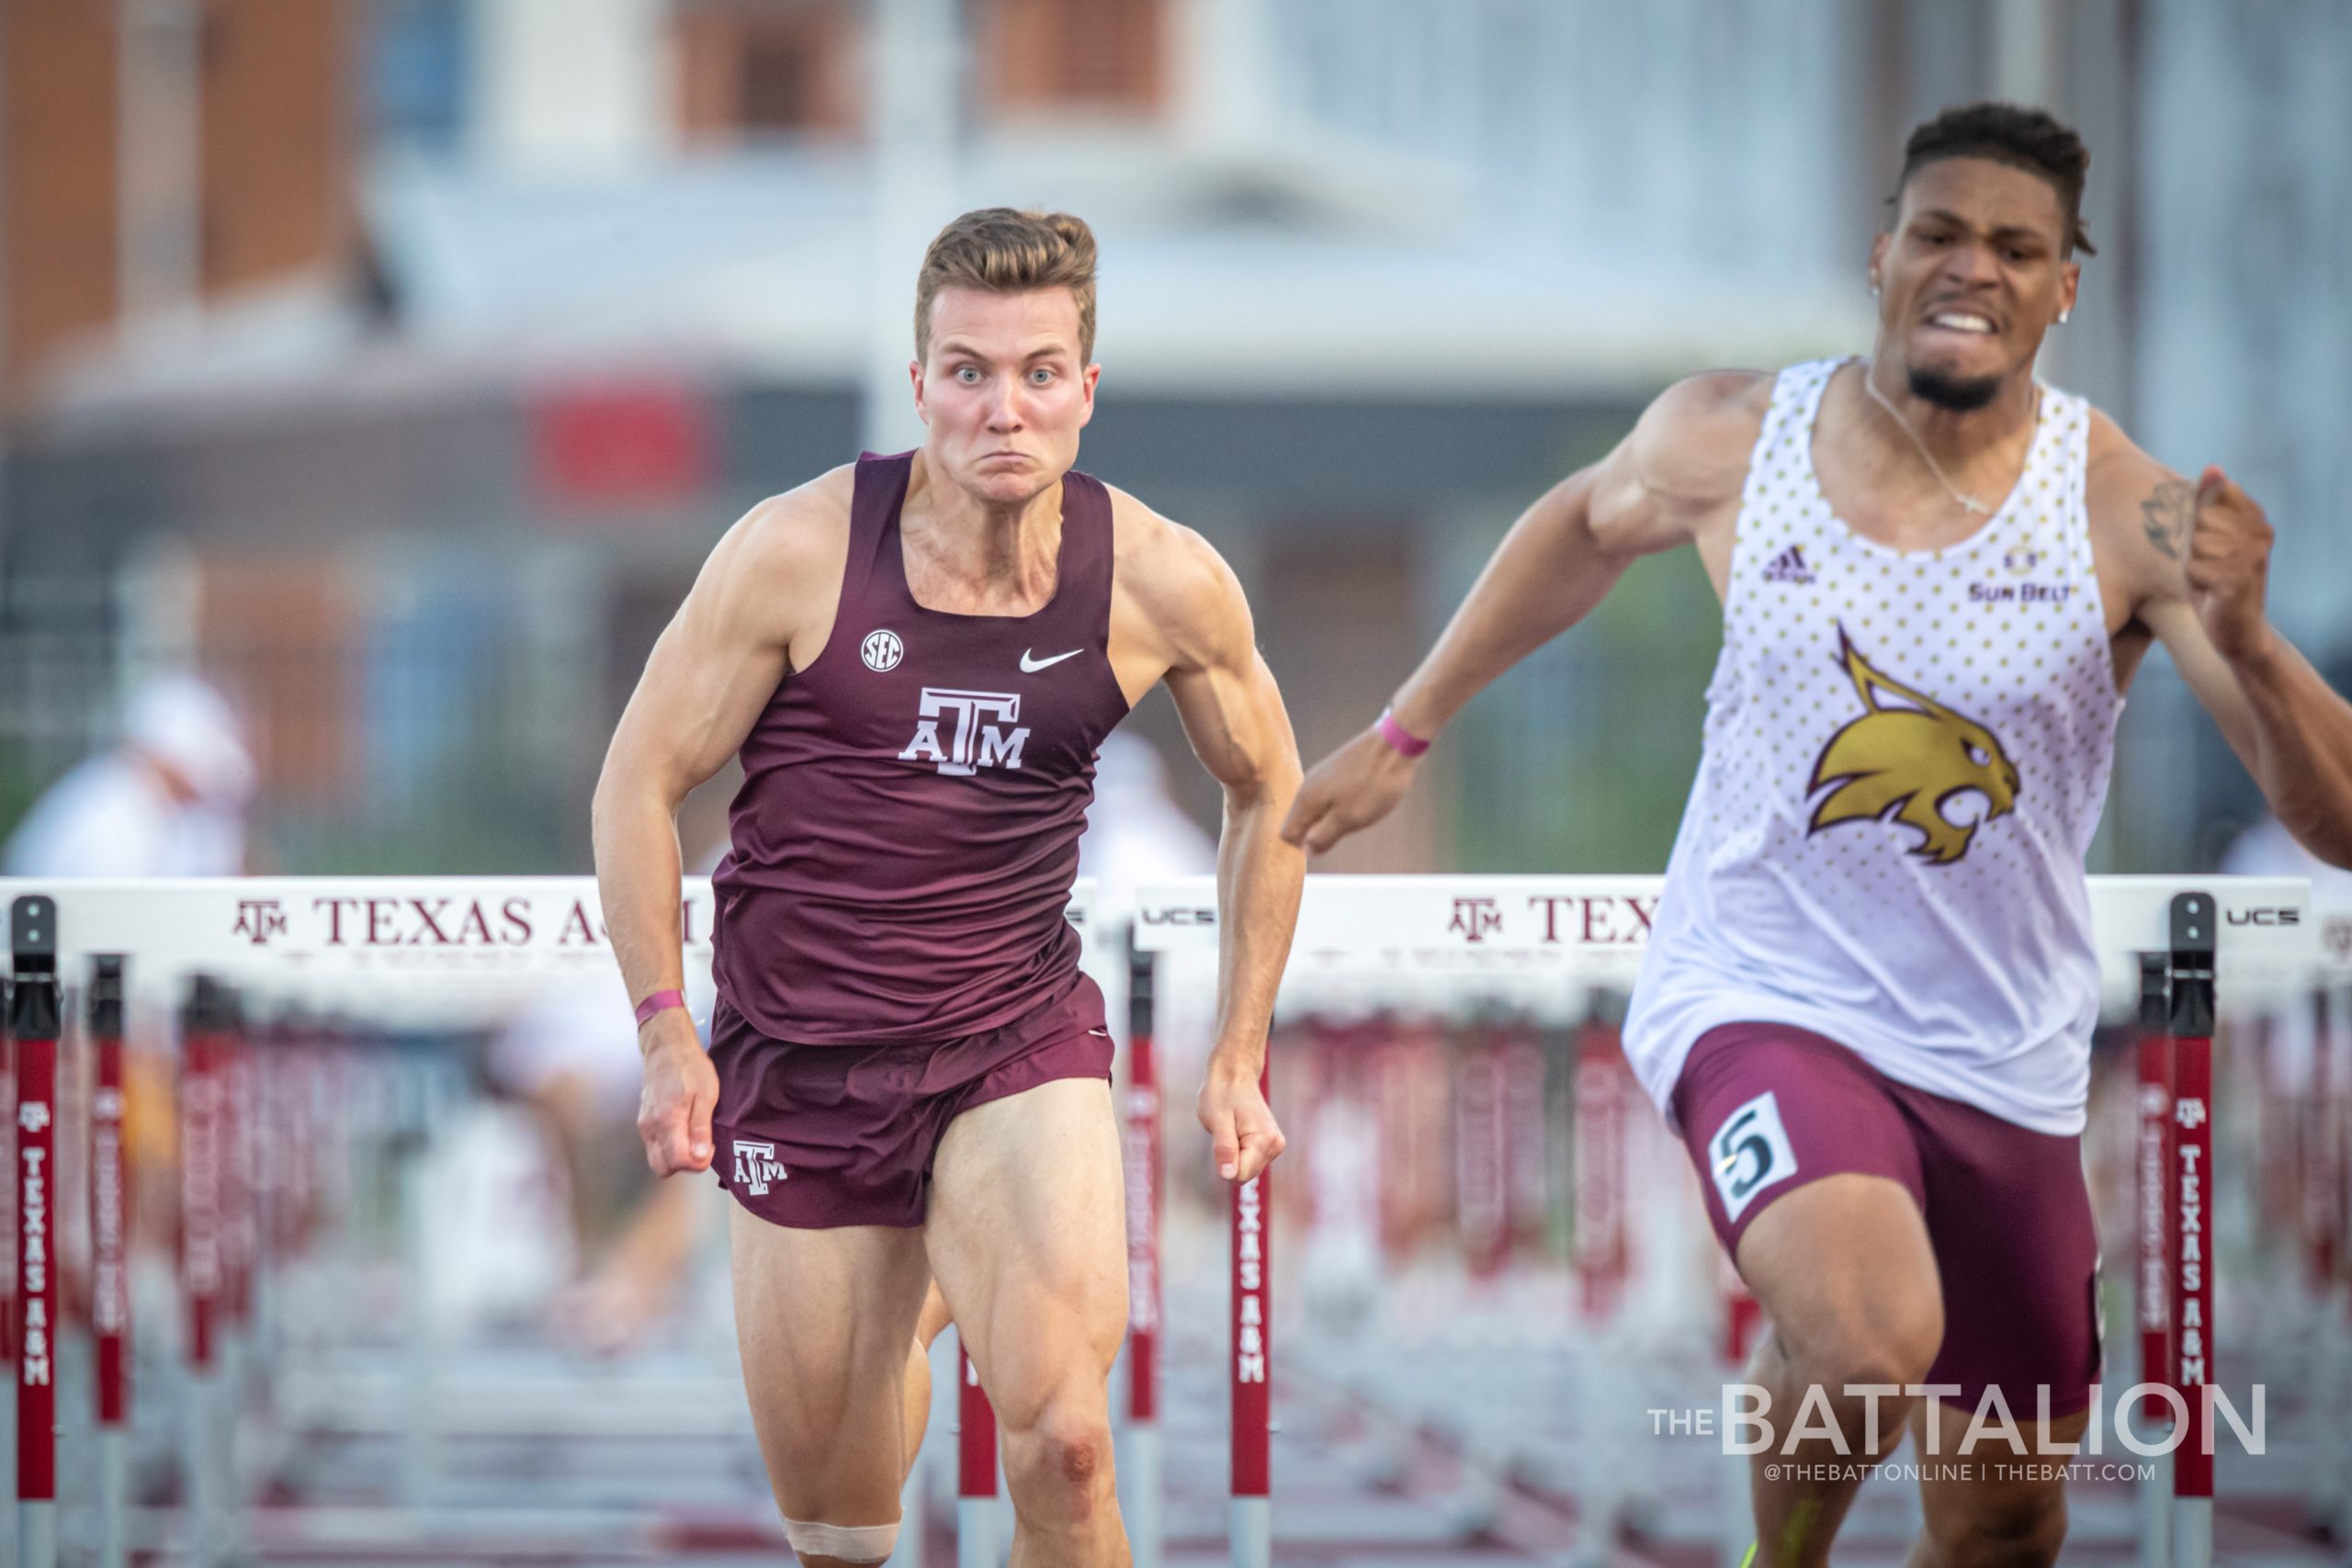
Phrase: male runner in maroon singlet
pixel 916 656
pixel 1868 997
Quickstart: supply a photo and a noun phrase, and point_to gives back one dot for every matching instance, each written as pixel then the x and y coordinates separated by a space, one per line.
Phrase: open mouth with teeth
pixel 1962 321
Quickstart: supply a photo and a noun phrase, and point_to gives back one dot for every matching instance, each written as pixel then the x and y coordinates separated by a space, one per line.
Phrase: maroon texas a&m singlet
pixel 906 833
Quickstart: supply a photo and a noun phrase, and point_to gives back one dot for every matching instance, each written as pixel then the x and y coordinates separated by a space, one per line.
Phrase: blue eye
pixel 1041 376
pixel 967 375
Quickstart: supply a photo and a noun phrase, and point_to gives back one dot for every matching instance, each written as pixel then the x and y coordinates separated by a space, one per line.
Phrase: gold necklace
pixel 1967 502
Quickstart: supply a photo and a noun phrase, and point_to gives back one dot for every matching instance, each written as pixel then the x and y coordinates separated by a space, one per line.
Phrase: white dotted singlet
pixel 1907 753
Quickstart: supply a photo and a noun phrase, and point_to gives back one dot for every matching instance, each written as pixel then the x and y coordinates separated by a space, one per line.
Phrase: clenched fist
pixel 1244 1138
pixel 1349 790
pixel 681 1092
pixel 2229 564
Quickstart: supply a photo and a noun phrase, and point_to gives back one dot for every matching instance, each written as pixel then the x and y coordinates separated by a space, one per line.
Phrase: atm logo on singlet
pixel 962 732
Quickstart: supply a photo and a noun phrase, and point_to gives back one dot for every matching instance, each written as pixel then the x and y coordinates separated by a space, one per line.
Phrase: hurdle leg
pixel 2152 1274
pixel 1140 1475
pixel 203 1438
pixel 2328 1156
pixel 109 1262
pixel 1735 1508
pixel 33 1009
pixel 10 1260
pixel 420 1464
pixel 978 1532
pixel 2191 1328
pixel 1250 1520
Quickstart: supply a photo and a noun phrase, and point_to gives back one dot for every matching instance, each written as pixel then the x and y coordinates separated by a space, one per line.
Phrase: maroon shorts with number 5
pixel 815 1136
pixel 1765 1108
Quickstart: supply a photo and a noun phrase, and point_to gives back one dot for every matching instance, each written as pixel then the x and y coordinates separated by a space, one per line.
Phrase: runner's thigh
pixel 1027 1237
pixel 824 1319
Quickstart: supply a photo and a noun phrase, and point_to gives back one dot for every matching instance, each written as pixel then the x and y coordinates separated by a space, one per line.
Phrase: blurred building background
pixel 397 361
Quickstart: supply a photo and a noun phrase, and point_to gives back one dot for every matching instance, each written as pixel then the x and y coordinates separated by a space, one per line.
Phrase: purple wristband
pixel 658 1002
pixel 1403 741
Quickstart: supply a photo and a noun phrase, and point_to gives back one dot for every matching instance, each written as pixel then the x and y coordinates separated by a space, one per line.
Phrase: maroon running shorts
pixel 1765 1108
pixel 815 1136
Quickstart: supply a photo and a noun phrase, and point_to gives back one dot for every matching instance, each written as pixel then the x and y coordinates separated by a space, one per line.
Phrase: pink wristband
pixel 657 1003
pixel 1403 741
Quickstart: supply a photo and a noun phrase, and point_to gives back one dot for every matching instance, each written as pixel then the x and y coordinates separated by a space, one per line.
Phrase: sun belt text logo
pixel 973 740
pixel 755 1167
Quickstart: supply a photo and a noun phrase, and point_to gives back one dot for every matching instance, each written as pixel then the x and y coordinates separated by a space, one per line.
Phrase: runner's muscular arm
pixel 2196 563
pixel 1674 479
pixel 759 599
pixel 1184 603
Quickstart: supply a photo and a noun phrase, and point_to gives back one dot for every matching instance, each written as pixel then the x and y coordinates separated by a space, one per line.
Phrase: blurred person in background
pixel 1867 1000
pixel 570 1054
pixel 1136 832
pixel 169 801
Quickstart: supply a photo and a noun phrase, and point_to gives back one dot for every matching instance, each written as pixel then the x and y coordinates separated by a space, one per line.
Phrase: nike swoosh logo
pixel 1031 666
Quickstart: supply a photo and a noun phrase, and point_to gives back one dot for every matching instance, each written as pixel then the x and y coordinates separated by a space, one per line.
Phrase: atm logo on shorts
pixel 973 742
pixel 1748 1153
pixel 755 1167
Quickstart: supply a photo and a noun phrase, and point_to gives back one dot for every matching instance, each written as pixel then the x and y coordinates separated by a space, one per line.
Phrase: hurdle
pixel 1590 931
pixel 439 949
pixel 427 953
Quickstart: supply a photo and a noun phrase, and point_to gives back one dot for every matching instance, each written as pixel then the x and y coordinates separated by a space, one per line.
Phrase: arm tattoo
pixel 2170 516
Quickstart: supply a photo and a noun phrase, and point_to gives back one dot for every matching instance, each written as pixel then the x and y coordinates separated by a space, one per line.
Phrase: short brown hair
pixel 1007 251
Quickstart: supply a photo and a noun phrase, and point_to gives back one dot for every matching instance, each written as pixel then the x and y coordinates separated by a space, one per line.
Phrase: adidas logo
pixel 1788 567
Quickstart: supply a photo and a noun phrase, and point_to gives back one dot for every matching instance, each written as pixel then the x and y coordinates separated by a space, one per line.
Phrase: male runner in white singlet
pixel 1868 1001
pixel 917 657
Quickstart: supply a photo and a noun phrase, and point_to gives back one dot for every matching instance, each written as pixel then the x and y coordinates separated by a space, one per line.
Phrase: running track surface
pixel 1385 1455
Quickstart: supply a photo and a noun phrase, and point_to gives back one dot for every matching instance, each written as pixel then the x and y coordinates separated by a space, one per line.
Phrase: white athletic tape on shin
pixel 849 1543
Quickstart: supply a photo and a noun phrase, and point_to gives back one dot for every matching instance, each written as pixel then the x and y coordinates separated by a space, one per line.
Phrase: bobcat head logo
pixel 1903 759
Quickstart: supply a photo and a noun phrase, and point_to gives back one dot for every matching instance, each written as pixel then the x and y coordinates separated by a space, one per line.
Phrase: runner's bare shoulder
pixel 777 576
pixel 1680 470
pixel 1693 443
pixel 1169 585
